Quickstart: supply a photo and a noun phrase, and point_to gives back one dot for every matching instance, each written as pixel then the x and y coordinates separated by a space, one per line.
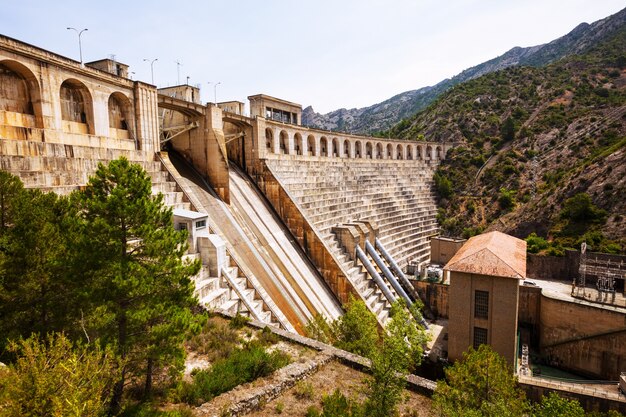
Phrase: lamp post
pixel 178 64
pixel 151 67
pixel 215 91
pixel 80 46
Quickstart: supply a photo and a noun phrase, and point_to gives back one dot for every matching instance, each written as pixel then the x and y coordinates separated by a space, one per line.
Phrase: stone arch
pixel 76 107
pixel 335 148
pixel 269 138
pixel 284 142
pixel 379 150
pixel 358 151
pixel 368 150
pixel 409 152
pixel 323 146
pixel 20 92
pixel 346 148
pixel 419 154
pixel 298 144
pixel 389 154
pixel 399 152
pixel 439 153
pixel 310 145
pixel 429 153
pixel 120 114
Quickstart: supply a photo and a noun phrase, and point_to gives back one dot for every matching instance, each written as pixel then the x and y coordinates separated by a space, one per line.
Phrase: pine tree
pixel 138 283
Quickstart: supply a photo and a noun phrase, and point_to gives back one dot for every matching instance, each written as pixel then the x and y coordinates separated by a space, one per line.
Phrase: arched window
pixel 358 153
pixel 120 115
pixel 379 151
pixel 439 153
pixel 368 150
pixel 399 152
pixel 298 143
pixel 14 92
pixel 429 153
pixel 284 142
pixel 269 138
pixel 409 152
pixel 335 152
pixel 20 93
pixel 323 146
pixel 346 149
pixel 419 154
pixel 310 142
pixel 76 107
pixel 389 151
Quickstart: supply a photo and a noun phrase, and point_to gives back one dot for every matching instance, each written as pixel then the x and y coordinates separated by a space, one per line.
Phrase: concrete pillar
pixel 213 253
pixel 100 113
pixel 349 238
pixel 216 153
pixel 146 115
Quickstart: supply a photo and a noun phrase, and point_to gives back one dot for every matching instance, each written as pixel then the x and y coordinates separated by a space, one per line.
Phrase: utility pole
pixel 80 46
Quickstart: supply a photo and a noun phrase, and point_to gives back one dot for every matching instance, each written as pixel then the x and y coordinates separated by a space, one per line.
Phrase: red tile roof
pixel 494 253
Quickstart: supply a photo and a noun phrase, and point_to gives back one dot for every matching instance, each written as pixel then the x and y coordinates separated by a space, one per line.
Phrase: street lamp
pixel 80 46
pixel 215 91
pixel 151 67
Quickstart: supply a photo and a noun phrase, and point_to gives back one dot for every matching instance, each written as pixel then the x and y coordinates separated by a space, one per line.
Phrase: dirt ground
pixel 335 376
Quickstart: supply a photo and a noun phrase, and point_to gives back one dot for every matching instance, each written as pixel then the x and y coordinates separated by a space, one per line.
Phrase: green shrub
pixel 239 321
pixel 443 185
pixel 243 365
pixel 536 244
pixel 303 390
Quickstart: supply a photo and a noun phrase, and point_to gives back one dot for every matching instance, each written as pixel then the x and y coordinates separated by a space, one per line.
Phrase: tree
pixel 481 384
pixel 580 209
pixel 139 287
pixel 36 292
pixel 555 405
pixel 398 353
pixel 55 378
pixel 357 330
pixel 507 130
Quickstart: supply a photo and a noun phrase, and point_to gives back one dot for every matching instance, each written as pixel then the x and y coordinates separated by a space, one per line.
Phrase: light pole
pixel 215 91
pixel 151 67
pixel 178 64
pixel 80 46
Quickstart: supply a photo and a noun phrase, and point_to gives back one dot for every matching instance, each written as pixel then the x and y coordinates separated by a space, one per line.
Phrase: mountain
pixel 539 149
pixel 381 116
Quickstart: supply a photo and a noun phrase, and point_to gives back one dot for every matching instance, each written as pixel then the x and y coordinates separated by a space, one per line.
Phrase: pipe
pixel 394 266
pixel 387 273
pixel 377 279
pixel 397 270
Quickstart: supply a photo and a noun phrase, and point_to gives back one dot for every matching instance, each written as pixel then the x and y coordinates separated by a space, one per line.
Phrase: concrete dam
pixel 289 222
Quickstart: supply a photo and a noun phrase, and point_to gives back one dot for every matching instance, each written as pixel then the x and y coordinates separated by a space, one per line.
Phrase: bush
pixel 506 199
pixel 443 185
pixel 239 321
pixel 243 365
pixel 536 244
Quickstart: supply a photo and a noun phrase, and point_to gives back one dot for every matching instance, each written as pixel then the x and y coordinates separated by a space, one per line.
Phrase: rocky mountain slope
pixel 530 139
pixel 368 120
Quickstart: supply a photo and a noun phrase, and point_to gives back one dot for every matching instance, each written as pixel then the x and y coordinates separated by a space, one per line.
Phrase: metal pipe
pixel 377 279
pixel 387 273
pixel 395 268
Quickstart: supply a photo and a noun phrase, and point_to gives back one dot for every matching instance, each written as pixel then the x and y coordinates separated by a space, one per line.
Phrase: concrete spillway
pixel 262 246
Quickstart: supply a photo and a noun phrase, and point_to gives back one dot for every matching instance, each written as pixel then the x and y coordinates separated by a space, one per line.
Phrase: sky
pixel 330 54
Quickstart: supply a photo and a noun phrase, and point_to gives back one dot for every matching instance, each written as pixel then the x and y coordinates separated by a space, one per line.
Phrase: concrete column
pixel 213 253
pixel 100 113
pixel 316 146
pixel 146 115
pixel 216 153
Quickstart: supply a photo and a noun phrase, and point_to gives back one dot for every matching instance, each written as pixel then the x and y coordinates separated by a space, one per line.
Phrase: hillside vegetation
pixel 539 150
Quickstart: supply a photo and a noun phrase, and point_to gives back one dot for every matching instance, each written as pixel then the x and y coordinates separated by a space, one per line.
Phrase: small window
pixel 481 304
pixel 200 224
pixel 182 226
pixel 480 337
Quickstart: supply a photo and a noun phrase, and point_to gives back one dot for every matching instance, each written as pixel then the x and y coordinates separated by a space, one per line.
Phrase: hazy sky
pixel 329 54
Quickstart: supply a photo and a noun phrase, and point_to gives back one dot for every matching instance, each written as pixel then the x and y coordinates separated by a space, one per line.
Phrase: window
pixel 182 226
pixel 481 304
pixel 200 224
pixel 480 337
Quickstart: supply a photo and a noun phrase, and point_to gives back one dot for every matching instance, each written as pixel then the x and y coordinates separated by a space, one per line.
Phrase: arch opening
pixel 76 107
pixel 310 141
pixel 358 153
pixel 323 146
pixel 298 144
pixel 284 142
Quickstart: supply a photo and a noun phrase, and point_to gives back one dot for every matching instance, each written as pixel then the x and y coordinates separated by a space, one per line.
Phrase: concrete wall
pixel 584 338
pixel 443 249
pixel 434 296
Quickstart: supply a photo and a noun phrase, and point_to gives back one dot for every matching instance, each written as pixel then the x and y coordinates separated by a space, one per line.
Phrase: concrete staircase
pixel 396 195
pixel 233 291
